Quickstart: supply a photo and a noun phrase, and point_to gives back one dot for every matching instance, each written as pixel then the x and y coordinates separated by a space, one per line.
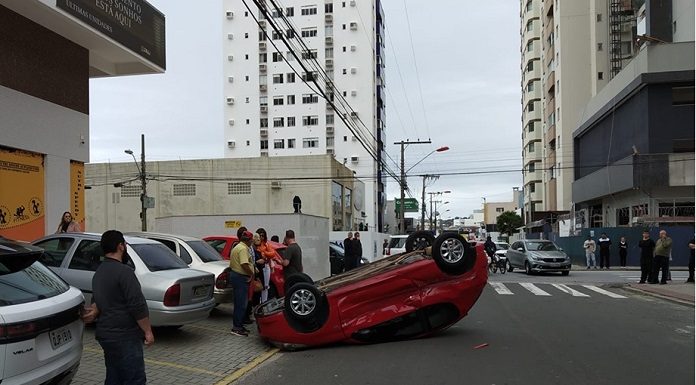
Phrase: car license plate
pixel 60 337
pixel 555 265
pixel 200 291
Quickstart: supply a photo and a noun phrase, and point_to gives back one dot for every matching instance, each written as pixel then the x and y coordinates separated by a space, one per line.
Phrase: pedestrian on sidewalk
pixel 647 247
pixel 348 252
pixel 357 250
pixel 292 258
pixel 604 251
pixel 691 261
pixel 590 247
pixel 241 274
pixel 663 249
pixel 623 251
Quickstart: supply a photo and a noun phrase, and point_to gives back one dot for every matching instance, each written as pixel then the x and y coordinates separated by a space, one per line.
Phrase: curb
pixel 237 374
pixel 661 296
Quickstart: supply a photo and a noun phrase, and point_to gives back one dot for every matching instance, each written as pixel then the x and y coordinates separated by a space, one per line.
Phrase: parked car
pixel 397 245
pixel 40 326
pixel 407 295
pixel 199 255
pixel 337 259
pixel 224 244
pixel 175 294
pixel 536 256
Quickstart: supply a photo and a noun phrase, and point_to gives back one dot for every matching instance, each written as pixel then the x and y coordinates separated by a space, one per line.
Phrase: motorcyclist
pixel 490 248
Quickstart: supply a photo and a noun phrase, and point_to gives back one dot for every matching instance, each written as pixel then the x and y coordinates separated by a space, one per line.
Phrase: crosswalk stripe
pixel 534 289
pixel 602 291
pixel 501 288
pixel 568 290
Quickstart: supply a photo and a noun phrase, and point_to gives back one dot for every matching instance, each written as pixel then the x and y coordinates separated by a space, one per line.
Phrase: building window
pixel 530 66
pixel 277 78
pixel 246 35
pixel 310 120
pixel 600 75
pixel 309 32
pixel 275 12
pixel 532 187
pixel 532 167
pixel 530 25
pixel 311 10
pixel 291 123
pixel 291 99
pixel 290 33
pixel 345 138
pixel 131 191
pixel 278 143
pixel 552 172
pixel 309 76
pixel 682 96
pixel 246 78
pixel 529 6
pixel 599 17
pixel 531 126
pixel 600 46
pixel 238 188
pixel 499 209
pixel 530 46
pixel 530 106
pixel 248 143
pixel 290 77
pixel 291 142
pixel 329 119
pixel 262 36
pixel 277 57
pixel 278 100
pixel 328 53
pixel 310 98
pixel 290 11
pixel 639 210
pixel 246 100
pixel 246 56
pixel 289 56
pixel 530 147
pixel 328 8
pixel 329 141
pixel 278 122
pixel 184 190
pixel 530 86
pixel 310 142
pixel 622 216
pixel 263 122
pixel 311 54
pixel 248 121
pixel 276 36
pixel 264 144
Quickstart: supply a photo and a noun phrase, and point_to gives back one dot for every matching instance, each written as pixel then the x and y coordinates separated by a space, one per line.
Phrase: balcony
pixel 536 196
pixel 550 83
pixel 534 136
pixel 533 176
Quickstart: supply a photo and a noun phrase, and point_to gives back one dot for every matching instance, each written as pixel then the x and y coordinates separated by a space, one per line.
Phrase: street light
pixel 425 178
pixel 143 181
pixel 402 181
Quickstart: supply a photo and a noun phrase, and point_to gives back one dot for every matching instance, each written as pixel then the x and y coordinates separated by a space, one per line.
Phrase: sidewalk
pixel 675 291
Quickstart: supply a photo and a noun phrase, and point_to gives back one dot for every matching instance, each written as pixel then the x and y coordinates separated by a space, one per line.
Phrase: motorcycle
pixel 497 263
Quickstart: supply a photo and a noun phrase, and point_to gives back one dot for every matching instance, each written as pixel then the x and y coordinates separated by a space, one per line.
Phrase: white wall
pixel 371 242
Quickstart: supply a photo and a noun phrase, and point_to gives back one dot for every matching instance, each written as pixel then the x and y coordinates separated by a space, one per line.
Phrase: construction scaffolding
pixel 622 21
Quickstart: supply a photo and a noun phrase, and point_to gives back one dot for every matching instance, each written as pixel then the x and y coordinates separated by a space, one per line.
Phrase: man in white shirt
pixel 590 247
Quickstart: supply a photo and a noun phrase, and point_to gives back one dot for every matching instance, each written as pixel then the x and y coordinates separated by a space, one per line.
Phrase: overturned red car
pixel 422 291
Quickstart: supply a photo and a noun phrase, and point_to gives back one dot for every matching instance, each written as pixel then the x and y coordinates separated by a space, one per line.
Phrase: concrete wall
pixel 311 233
pixel 371 242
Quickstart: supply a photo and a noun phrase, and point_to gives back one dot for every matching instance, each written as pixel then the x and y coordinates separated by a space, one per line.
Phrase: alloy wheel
pixel 303 302
pixel 452 250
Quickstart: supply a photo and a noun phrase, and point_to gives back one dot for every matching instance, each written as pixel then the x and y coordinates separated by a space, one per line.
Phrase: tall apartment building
pixel 271 111
pixel 570 50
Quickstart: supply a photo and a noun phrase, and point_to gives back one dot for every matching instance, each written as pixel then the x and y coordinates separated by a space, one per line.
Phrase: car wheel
pixel 306 307
pixel 297 278
pixel 419 241
pixel 502 268
pixel 509 267
pixel 453 254
pixel 527 268
pixel 565 272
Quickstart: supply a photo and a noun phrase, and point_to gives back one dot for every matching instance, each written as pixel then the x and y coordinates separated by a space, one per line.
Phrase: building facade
pixel 306 79
pixel 247 186
pixel 492 210
pixel 50 50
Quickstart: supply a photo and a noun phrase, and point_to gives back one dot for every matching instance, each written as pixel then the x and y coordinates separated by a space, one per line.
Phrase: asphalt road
pixel 535 334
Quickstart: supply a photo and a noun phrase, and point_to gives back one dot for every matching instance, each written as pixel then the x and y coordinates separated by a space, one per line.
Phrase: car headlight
pixel 535 257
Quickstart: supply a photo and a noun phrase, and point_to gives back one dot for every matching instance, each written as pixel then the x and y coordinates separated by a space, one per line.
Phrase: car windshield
pixel 157 256
pixel 502 246
pixel 29 284
pixel 541 246
pixel 397 243
pixel 205 251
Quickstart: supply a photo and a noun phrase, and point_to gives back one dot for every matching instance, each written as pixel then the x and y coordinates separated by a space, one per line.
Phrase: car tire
pixel 502 269
pixel 509 267
pixel 565 273
pixel 452 254
pixel 295 279
pixel 528 268
pixel 306 307
pixel 419 240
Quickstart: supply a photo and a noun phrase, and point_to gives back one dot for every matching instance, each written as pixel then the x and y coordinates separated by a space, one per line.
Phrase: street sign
pixel 410 205
pixel 149 202
pixel 233 224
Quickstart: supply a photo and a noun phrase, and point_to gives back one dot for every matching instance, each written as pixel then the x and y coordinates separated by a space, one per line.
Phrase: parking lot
pixel 200 353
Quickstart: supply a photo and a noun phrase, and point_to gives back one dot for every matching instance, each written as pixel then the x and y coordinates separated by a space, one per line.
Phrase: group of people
pixel 250 267
pixel 654 256
pixel 352 249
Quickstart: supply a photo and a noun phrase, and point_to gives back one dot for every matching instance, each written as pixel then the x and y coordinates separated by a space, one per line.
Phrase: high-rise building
pixel 570 50
pixel 282 59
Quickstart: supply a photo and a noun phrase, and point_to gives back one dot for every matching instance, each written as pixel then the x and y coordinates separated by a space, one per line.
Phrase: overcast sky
pixel 467 58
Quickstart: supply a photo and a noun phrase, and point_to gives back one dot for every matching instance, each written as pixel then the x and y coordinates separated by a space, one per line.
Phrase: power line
pixel 415 64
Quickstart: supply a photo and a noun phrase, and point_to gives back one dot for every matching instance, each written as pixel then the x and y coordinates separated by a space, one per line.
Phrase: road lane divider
pixel 500 288
pixel 602 291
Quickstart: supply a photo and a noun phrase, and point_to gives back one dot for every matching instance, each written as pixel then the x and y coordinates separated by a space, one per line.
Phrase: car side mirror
pixel 520 249
pixel 560 249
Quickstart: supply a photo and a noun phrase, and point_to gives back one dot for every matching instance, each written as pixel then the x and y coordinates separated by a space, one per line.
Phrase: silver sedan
pixel 535 255
pixel 175 294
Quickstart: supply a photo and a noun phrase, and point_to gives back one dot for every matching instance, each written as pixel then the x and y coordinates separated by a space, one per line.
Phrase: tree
pixel 508 222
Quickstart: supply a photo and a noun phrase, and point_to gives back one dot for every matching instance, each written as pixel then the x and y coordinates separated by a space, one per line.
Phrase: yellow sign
pixel 21 194
pixel 233 224
pixel 77 192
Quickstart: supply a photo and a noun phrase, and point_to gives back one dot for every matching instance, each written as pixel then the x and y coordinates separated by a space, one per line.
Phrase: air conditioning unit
pixel 353 26
pixel 230 58
pixel 231 144
pixel 230 79
pixel 353 70
pixel 264 132
pixel 329 40
pixel 329 130
pixel 262 23
pixel 262 67
pixel 352 3
pixel 229 14
pixel 230 101
pixel 263 109
pixel 276 184
pixel 263 87
pixel 328 17
pixel 262 45
pixel 354 159
pixel 230 122
pixel 354 93
pixel 353 48
pixel 230 36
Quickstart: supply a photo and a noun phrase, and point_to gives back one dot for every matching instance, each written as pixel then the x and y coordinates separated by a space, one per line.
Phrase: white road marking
pixel 501 288
pixel 533 288
pixel 602 291
pixel 568 290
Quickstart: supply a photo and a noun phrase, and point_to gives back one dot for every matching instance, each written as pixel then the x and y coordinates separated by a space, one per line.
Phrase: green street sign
pixel 410 205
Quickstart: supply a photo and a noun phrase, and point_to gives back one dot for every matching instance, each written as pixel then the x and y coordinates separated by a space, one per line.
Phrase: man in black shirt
pixel 357 250
pixel 292 258
pixel 121 314
pixel 647 246
pixel 348 252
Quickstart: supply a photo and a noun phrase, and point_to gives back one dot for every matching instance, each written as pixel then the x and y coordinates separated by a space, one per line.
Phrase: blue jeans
pixel 240 286
pixel 124 361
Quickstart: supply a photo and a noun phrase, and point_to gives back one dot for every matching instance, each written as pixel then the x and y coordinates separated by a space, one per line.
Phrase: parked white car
pixel 40 326
pixel 176 295
pixel 397 245
pixel 199 255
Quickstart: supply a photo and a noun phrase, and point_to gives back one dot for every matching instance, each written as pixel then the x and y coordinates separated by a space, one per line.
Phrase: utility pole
pixel 403 144
pixel 143 182
pixel 425 177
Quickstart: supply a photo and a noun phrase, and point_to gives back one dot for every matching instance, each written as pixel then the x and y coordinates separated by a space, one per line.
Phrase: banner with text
pixel 21 194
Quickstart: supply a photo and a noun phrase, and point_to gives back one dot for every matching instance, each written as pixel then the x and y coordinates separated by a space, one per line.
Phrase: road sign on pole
pixel 410 205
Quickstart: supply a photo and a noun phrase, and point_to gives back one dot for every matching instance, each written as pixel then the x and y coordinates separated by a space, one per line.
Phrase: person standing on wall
pixel 647 247
pixel 663 249
pixel 604 251
pixel 623 251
